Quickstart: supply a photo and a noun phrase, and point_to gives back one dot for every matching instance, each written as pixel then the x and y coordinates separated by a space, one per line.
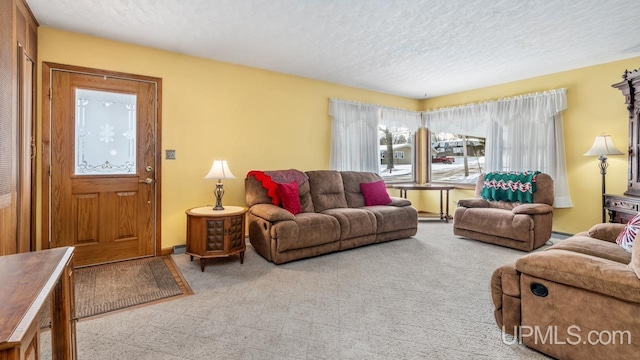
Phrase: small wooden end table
pixel 427 187
pixel 215 233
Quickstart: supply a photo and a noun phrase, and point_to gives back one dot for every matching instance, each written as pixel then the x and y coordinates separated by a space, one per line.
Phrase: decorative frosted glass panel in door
pixel 105 133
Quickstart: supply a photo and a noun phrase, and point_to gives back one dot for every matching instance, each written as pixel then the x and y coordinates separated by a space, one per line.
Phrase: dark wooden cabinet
pixel 621 208
pixel 216 233
pixel 630 88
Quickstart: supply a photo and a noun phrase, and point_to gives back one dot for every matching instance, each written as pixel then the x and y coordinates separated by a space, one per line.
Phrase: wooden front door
pixel 103 188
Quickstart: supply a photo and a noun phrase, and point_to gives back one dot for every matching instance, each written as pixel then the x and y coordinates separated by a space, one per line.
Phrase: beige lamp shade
pixel 603 145
pixel 219 170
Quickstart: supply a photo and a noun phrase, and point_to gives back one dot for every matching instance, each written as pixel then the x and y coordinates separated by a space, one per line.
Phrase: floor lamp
pixel 603 146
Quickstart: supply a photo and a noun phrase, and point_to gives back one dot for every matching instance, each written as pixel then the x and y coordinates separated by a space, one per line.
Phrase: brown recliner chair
pixel 511 224
pixel 578 299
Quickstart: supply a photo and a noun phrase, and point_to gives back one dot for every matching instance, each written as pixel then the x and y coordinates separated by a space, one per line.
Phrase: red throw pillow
pixel 290 197
pixel 375 193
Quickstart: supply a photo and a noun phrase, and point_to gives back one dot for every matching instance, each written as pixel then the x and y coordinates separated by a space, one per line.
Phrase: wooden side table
pixel 215 233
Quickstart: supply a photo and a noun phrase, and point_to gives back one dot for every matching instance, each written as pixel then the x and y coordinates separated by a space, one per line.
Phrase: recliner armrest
pixel 582 271
pixel 606 231
pixel 399 202
pixel 271 212
pixel 532 209
pixel 473 203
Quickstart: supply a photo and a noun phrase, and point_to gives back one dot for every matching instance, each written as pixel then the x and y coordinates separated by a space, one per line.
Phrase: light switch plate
pixel 170 154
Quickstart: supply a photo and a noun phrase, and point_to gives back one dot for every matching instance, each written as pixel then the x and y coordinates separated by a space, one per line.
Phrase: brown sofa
pixel 334 217
pixel 581 292
pixel 511 224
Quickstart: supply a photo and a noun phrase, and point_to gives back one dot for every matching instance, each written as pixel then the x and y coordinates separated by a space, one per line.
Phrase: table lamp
pixel 219 170
pixel 602 146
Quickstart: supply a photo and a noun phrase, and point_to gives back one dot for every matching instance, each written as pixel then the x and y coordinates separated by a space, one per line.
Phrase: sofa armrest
pixel 533 209
pixel 473 203
pixel 583 271
pixel 606 231
pixel 399 202
pixel 271 212
pixel 505 293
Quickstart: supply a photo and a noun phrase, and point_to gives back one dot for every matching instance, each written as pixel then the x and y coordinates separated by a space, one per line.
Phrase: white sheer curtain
pixel 395 119
pixel 526 134
pixel 355 143
pixel 522 133
pixel 354 136
pixel 469 119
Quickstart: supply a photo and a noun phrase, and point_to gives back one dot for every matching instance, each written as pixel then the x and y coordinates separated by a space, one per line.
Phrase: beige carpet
pixel 426 297
pixel 110 287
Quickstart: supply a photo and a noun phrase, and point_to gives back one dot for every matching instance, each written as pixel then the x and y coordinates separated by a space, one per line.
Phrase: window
pixel 456 158
pixel 399 142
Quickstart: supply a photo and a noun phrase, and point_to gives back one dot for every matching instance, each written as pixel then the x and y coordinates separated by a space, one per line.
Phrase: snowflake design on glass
pixel 83 132
pixel 106 133
pixel 129 135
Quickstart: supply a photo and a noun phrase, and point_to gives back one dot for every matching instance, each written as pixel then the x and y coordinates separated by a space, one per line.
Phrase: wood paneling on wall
pixel 18 57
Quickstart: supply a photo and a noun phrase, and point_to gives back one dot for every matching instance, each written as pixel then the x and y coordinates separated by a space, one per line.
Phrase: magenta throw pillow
pixel 375 193
pixel 626 236
pixel 290 197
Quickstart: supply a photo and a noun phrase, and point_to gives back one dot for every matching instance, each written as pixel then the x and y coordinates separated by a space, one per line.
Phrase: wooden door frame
pixel 47 69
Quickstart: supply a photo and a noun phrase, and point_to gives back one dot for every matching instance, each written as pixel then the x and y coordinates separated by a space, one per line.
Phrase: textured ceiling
pixel 411 48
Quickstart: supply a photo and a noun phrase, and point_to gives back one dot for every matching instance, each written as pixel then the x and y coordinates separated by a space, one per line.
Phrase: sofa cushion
pixel 496 222
pixel 289 196
pixel 304 192
pixel 327 190
pixel 626 236
pixel 354 222
pixel 595 247
pixel 351 181
pixel 308 229
pixel 392 218
pixel 375 193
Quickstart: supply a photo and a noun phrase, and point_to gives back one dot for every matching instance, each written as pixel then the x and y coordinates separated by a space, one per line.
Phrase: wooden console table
pixel 26 281
pixel 215 233
pixel 428 187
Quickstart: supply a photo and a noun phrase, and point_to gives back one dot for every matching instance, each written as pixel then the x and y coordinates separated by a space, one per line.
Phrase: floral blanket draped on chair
pixel 511 186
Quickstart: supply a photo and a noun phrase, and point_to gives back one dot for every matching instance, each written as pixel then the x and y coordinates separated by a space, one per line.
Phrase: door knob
pixel 148 181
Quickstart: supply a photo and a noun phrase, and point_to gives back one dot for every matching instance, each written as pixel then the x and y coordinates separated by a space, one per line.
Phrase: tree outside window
pixel 397 167
pixel 456 158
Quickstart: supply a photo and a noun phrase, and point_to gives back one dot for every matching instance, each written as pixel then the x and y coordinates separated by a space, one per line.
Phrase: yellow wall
pixel 593 106
pixel 256 119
